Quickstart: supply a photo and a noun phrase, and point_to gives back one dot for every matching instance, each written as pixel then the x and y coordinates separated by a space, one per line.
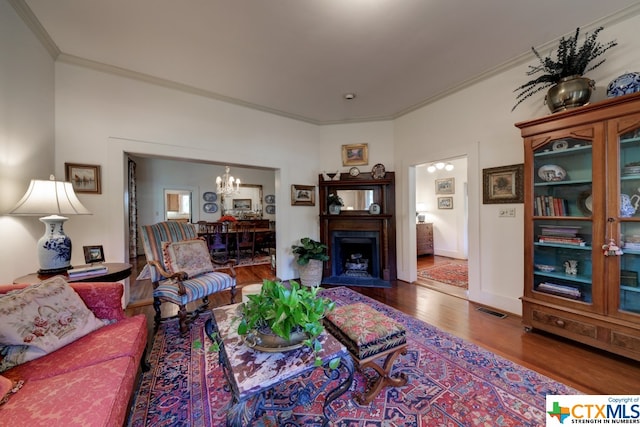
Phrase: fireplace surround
pixel 361 244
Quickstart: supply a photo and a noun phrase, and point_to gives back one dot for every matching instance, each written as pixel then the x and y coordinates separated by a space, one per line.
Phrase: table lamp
pixel 51 198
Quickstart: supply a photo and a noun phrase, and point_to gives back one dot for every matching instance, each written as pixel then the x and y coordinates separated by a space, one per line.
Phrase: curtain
pixel 133 210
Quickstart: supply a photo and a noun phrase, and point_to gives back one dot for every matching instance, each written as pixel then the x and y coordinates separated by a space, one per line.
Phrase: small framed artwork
pixel 355 154
pixel 445 186
pixel 242 204
pixel 303 195
pixel 503 184
pixel 84 178
pixel 445 202
pixel 93 254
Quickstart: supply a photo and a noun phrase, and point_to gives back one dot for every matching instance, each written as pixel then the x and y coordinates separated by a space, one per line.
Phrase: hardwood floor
pixel 589 370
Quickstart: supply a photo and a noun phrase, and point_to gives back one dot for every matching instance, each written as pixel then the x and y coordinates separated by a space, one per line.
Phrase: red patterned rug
pixel 455 274
pixel 451 383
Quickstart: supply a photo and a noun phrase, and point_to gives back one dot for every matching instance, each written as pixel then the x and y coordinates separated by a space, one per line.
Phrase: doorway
pixel 177 205
pixel 442 204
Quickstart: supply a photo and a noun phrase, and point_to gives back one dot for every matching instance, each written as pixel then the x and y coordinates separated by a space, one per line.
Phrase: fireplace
pixel 361 243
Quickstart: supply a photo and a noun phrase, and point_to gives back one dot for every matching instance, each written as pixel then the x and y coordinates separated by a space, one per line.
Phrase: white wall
pixel 478 122
pixel 26 137
pixel 100 117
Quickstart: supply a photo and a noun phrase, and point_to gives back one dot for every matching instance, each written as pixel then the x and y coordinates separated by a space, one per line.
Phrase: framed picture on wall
pixel 503 184
pixel 445 202
pixel 303 195
pixel 445 186
pixel 355 154
pixel 84 178
pixel 242 204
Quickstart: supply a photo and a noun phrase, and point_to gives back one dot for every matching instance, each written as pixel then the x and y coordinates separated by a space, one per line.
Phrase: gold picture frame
pixel 83 178
pixel 503 184
pixel 303 195
pixel 355 154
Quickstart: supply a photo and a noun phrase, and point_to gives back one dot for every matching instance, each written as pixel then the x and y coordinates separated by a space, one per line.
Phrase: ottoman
pixel 369 335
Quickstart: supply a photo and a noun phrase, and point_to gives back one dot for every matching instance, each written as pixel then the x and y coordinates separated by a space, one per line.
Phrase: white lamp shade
pixel 49 197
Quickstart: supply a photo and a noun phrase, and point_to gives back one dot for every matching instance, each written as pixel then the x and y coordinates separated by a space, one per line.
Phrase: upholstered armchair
pixel 182 270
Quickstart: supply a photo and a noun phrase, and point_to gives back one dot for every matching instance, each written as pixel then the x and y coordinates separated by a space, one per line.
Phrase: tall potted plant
pixel 563 74
pixel 310 256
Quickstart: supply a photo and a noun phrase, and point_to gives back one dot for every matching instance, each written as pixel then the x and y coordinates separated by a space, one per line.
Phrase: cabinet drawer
pixel 557 323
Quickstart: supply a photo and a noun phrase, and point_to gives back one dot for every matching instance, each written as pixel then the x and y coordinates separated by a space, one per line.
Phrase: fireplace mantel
pixel 361 220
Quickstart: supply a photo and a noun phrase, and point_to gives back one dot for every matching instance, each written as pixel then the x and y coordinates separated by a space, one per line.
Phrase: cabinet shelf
pixel 567 182
pixel 565 277
pixel 564 246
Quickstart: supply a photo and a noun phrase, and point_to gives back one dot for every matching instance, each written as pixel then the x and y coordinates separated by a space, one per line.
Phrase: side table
pixel 254 385
pixel 115 272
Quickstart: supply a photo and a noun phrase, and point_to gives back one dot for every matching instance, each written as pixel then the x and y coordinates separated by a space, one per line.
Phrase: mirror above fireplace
pixel 356 200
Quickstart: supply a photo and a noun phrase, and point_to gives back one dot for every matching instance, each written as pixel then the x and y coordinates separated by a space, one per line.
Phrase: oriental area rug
pixel 455 274
pixel 451 383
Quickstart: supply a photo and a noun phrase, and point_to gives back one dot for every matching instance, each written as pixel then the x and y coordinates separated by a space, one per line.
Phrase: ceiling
pixel 298 58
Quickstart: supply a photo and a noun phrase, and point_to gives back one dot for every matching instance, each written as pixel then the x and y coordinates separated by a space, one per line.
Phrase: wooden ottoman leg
pixel 384 379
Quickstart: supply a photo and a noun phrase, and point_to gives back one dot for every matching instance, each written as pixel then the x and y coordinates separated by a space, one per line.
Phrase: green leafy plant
pixel 570 60
pixel 334 199
pixel 310 249
pixel 284 310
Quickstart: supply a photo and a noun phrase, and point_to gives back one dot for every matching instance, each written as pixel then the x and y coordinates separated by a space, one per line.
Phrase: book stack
pixel 561 234
pixel 560 290
pixel 631 242
pixel 550 206
pixel 87 271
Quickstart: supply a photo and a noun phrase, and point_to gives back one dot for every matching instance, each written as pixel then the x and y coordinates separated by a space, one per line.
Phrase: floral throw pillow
pixel 41 318
pixel 190 256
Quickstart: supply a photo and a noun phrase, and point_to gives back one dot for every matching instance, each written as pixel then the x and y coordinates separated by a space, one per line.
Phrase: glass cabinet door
pixel 627 292
pixel 562 220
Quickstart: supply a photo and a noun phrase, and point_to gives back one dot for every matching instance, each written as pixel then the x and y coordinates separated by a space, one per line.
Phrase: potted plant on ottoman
pixel 282 318
pixel 310 256
pixel 564 73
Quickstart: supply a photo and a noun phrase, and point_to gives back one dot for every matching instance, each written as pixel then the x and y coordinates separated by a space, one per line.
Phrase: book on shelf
pixel 561 290
pixel 577 241
pixel 86 271
pixel 550 206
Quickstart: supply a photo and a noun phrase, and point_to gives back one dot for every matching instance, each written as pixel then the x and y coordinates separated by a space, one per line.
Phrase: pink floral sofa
pixel 88 382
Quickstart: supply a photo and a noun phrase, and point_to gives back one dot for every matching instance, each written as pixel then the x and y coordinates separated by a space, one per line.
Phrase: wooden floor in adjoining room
pixel 589 370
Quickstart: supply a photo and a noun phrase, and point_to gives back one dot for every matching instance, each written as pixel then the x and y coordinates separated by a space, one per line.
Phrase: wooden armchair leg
pixel 182 316
pixel 158 316
pixel 233 294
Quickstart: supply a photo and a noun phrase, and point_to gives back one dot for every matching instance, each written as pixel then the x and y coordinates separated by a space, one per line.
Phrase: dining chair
pixel 218 240
pixel 245 233
pixel 182 269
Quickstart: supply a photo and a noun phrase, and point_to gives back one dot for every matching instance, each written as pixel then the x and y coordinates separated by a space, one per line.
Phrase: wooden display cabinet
pixel 582 200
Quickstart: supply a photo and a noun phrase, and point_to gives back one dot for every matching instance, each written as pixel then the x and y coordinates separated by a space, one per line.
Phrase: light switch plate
pixel 507 212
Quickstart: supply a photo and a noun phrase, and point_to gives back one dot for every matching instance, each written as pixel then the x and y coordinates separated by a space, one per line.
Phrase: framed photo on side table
pixel 93 254
pixel 84 178
pixel 503 184
pixel 303 195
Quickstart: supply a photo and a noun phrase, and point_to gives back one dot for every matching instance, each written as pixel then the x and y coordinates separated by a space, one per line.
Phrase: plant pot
pixel 334 209
pixel 271 343
pixel 570 92
pixel 311 274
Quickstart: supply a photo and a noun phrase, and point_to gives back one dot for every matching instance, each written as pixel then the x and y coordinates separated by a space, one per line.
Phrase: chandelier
pixel 226 182
pixel 439 166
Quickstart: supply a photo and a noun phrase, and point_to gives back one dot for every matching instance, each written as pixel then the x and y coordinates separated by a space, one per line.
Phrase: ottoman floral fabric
pixel 364 330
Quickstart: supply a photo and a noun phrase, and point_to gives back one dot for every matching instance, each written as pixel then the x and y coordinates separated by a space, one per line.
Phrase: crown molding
pixel 30 20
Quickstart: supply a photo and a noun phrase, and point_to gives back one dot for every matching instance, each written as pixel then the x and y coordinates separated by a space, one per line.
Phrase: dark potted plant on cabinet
pixel 310 256
pixel 282 317
pixel 335 203
pixel 563 74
